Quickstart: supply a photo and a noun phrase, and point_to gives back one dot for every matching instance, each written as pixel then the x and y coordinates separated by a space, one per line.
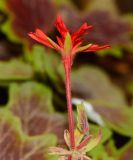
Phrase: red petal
pixel 61 27
pixel 80 33
pixel 40 33
pixel 96 47
pixel 40 37
pixel 59 41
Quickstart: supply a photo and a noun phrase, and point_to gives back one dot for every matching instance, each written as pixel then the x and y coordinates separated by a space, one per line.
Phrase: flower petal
pixel 40 33
pixel 59 40
pixel 40 37
pixel 80 33
pixel 61 27
pixel 96 47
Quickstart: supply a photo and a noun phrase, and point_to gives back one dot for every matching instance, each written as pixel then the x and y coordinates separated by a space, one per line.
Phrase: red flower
pixel 68 45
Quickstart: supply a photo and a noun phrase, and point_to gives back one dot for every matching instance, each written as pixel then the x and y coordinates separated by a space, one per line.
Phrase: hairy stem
pixel 67 67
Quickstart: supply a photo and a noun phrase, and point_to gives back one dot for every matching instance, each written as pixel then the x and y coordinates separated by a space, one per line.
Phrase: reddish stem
pixel 67 67
pixel 69 158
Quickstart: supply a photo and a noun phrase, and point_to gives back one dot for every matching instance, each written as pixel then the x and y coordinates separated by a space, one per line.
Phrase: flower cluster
pixel 67 44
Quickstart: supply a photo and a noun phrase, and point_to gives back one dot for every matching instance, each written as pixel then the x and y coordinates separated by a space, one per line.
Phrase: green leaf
pixel 130 87
pixel 126 153
pixel 111 148
pixel 18 24
pixel 82 122
pixel 68 44
pixel 38 59
pixel 93 142
pixel 100 152
pixel 31 102
pixel 59 151
pixel 118 118
pixel 6 27
pixel 114 51
pixel 2 5
pixel 16 145
pixel 60 3
pixel 78 136
pixel 15 70
pixel 31 95
pixel 106 98
pixel 106 132
pixel 93 83
pixel 47 64
pixel 67 138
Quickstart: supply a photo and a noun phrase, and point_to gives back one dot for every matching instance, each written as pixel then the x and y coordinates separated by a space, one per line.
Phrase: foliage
pixel 84 140
pixel 32 93
pixel 16 145
pixel 31 19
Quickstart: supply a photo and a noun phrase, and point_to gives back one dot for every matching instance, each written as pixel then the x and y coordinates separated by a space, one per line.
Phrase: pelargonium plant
pixel 78 140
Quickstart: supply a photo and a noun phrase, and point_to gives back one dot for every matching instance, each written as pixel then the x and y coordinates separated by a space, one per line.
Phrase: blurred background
pixel 32 87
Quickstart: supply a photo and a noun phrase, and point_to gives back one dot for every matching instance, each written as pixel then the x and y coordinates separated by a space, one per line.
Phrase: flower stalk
pixel 67 68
